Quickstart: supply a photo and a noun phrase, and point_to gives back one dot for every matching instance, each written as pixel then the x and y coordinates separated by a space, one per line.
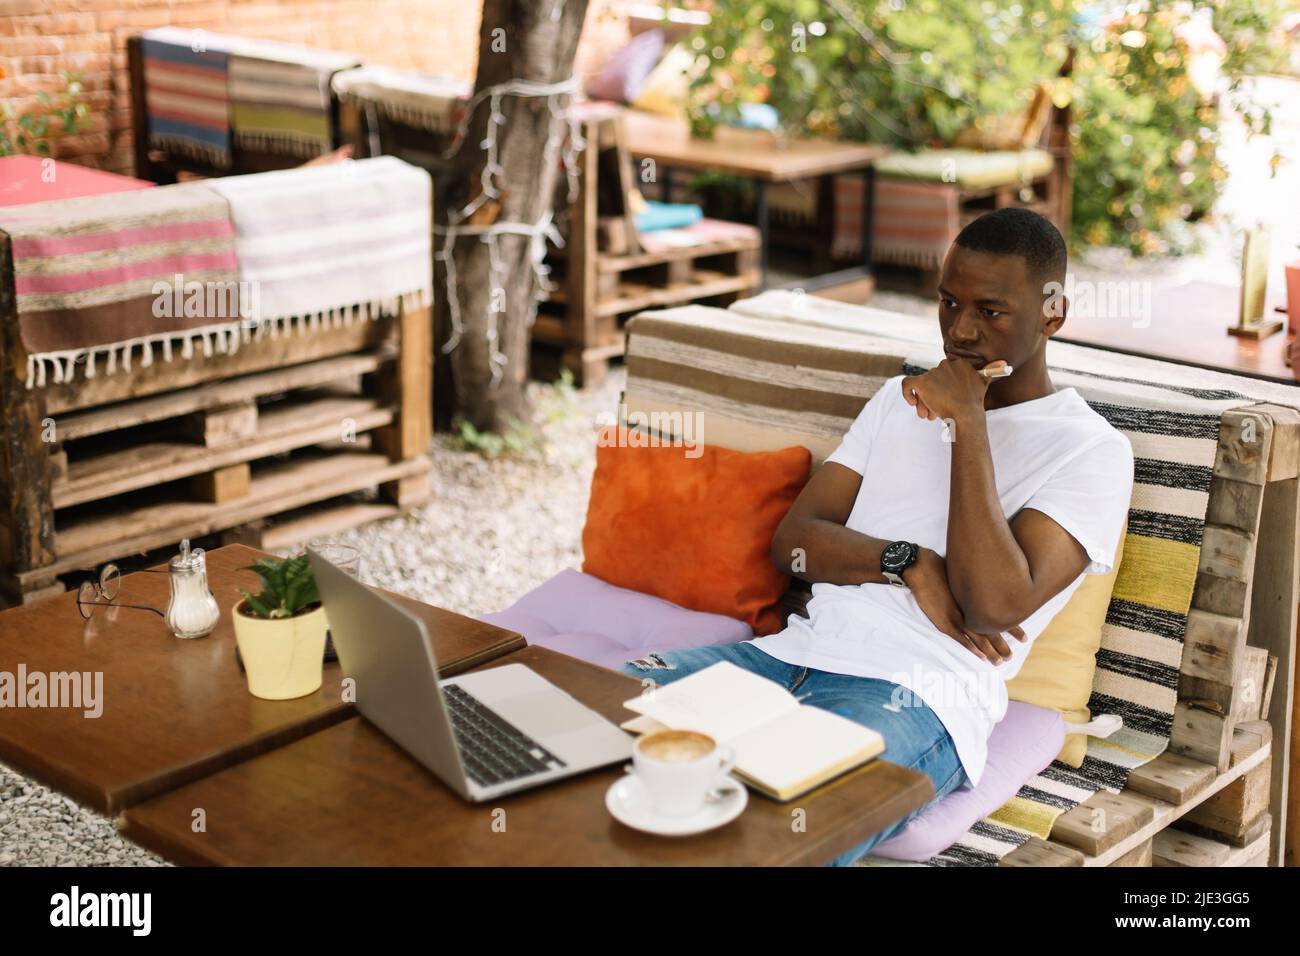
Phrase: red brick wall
pixel 41 38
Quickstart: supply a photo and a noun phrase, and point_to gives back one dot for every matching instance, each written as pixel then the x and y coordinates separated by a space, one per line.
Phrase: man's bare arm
pixel 813 543
pixel 999 571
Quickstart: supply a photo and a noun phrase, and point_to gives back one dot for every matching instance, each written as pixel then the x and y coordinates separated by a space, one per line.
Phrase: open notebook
pixel 783 748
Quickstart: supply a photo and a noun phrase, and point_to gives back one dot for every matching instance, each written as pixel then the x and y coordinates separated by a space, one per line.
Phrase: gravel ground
pixel 494 530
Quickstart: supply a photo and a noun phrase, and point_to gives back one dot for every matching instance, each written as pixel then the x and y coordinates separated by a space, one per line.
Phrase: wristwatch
pixel 897 558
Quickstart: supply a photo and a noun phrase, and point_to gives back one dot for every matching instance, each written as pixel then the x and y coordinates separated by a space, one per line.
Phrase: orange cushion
pixel 694 531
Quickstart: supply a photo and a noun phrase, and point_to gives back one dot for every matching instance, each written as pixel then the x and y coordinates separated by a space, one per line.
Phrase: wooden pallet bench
pixel 1227 775
pixel 583 317
pixel 605 272
pixel 1234 719
pixel 116 465
pixel 1142 821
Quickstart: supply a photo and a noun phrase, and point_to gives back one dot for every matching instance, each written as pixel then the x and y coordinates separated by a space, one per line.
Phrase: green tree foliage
pixel 31 131
pixel 914 73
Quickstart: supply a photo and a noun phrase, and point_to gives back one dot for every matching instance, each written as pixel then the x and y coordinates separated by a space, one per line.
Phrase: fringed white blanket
pixel 433 103
pixel 327 244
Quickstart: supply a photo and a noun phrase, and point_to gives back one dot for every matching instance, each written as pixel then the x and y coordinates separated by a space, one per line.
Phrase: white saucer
pixel 629 804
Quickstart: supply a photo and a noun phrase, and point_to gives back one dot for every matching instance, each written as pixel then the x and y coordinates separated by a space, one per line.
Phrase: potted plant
pixel 281 631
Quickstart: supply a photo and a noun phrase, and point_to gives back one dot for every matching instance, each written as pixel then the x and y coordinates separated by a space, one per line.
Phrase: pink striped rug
pixel 102 281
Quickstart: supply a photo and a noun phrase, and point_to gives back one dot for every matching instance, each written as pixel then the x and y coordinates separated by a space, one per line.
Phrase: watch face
pixel 896 556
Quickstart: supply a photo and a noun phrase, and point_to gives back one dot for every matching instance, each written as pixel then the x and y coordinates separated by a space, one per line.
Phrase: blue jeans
pixel 914 735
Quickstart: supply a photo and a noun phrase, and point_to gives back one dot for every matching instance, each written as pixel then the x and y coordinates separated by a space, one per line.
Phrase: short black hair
pixel 1019 232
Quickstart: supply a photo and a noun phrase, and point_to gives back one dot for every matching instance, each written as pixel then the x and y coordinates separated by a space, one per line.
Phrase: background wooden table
pixel 757 156
pixel 173 710
pixel 1188 324
pixel 349 796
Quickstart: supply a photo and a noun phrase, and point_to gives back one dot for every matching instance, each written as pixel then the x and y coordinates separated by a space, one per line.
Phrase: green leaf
pixel 257 605
pixel 289 585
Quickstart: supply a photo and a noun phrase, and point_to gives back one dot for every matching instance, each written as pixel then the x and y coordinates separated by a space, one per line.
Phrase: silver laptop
pixel 483 734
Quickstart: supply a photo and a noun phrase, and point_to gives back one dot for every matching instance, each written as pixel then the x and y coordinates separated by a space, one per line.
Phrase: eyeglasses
pixel 103 593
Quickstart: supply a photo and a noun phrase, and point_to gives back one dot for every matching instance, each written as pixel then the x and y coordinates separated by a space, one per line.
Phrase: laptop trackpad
pixel 544 713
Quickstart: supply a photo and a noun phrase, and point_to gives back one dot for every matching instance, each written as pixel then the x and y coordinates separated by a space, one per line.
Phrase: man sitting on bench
pixel 954 521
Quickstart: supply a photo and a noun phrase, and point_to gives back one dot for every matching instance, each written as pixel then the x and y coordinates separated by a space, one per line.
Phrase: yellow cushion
pixel 1058 672
pixel 668 85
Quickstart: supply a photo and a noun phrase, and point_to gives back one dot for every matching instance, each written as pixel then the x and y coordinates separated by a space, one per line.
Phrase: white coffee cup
pixel 679 768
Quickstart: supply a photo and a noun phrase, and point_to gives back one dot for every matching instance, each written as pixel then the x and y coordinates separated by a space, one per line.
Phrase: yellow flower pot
pixel 283 657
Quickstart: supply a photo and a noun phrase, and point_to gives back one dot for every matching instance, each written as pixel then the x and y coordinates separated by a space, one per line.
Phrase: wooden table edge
pixel 813 852
pixel 905 799
pixel 115 800
pixel 816 853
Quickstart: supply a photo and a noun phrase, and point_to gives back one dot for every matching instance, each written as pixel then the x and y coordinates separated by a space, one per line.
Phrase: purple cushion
pixel 1024 741
pixel 625 72
pixel 585 617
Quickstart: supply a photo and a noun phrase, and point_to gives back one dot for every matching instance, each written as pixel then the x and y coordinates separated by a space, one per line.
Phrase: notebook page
pixel 801 745
pixel 721 700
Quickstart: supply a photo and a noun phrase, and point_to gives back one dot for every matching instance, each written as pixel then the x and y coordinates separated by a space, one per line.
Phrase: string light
pixel 564 141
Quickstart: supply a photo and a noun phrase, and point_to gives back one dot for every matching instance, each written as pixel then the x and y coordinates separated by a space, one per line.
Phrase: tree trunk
pixel 531 40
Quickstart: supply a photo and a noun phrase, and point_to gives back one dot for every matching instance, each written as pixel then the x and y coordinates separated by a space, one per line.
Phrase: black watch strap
pixel 897 557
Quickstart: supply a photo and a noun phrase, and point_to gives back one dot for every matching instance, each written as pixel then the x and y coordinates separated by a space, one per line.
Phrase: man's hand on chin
pixel 951 390
pixel 928 581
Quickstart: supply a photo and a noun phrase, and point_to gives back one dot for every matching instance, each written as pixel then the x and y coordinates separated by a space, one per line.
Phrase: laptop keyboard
pixel 493 750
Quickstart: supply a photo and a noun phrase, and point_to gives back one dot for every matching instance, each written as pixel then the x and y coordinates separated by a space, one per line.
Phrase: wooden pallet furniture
pixel 1228 776
pixel 768 165
pixel 101 468
pixel 1040 179
pixel 1234 720
pixel 165 166
pixel 605 273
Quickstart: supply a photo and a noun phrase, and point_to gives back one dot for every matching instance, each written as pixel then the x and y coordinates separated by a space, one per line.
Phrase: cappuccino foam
pixel 676 746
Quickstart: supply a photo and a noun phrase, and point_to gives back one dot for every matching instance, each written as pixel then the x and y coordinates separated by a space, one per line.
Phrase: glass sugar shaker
pixel 192 610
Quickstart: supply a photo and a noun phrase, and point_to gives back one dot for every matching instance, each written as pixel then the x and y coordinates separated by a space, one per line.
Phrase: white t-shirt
pixel 1053 454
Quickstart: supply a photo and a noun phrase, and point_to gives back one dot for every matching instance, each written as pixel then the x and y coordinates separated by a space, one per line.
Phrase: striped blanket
pixel 917 201
pixel 326 242
pixel 774 370
pixel 207 92
pixel 103 276
pixel 186 98
pixel 913 224
pixel 424 101
pixel 280 97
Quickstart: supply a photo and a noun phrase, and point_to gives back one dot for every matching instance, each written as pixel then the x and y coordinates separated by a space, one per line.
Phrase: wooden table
pixel 757 156
pixel 1188 324
pixel 349 796
pixel 173 710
